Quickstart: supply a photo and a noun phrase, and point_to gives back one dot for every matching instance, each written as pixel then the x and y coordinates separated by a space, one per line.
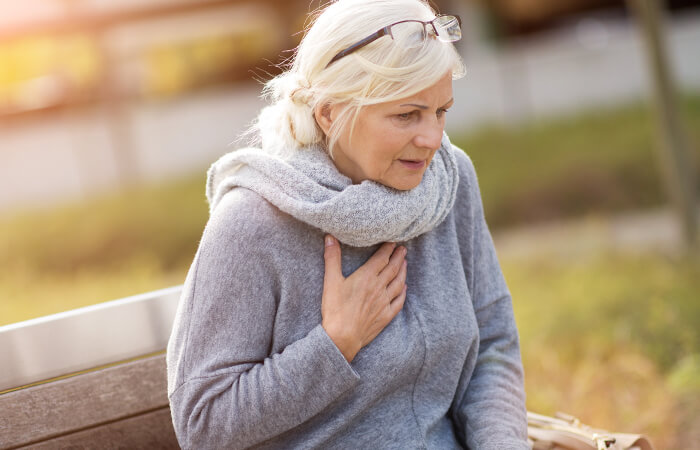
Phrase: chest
pixel 436 327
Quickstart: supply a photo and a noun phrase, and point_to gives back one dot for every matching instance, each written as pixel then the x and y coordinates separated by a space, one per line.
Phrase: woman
pixel 398 332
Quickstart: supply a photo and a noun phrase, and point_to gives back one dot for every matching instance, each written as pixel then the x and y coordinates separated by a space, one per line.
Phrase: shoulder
pixel 243 223
pixel 468 194
pixel 242 213
pixel 465 167
pixel 240 224
pixel 238 250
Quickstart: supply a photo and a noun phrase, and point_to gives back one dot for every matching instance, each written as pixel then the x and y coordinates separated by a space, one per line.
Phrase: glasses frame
pixel 387 31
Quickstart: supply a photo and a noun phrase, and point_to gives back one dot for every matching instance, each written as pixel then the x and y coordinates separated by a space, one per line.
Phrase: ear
pixel 324 117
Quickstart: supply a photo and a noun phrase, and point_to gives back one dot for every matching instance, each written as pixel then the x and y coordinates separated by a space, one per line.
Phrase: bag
pixel 565 432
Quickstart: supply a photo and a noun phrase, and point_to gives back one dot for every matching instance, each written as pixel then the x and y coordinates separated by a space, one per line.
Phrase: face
pixel 392 143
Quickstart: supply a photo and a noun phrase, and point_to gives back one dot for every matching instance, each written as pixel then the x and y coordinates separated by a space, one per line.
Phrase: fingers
pixel 396 304
pixel 389 311
pixel 393 267
pixel 397 284
pixel 333 263
pixel 365 302
pixel 380 259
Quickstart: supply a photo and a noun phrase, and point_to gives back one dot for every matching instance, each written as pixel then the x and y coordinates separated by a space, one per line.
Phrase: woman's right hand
pixel 357 308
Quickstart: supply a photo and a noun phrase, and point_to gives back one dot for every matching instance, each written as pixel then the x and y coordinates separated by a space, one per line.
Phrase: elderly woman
pixel 346 291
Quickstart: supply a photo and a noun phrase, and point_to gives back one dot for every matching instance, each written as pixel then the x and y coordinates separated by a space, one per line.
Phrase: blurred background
pixel 582 121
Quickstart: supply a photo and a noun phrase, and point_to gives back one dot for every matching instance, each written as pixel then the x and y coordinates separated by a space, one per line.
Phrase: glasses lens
pixel 408 34
pixel 448 28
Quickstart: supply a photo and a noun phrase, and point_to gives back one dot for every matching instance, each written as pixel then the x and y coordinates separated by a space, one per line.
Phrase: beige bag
pixel 565 432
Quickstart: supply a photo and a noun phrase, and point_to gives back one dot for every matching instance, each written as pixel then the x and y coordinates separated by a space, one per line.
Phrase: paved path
pixel 655 231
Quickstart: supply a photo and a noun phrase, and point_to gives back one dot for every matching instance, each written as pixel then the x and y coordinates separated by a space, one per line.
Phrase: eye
pixel 441 112
pixel 405 117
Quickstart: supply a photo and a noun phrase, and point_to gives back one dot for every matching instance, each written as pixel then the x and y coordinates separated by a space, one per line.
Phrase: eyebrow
pixel 415 105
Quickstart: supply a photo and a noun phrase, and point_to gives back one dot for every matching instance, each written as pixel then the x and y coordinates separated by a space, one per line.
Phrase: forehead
pixel 436 95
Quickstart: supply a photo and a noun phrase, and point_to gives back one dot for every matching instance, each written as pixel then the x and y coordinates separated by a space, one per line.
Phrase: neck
pixel 348 167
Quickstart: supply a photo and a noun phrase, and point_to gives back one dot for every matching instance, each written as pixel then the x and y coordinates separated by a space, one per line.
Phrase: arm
pixel 491 408
pixel 225 390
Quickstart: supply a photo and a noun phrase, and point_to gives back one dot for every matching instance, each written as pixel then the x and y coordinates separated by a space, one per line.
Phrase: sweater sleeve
pixel 491 411
pixel 225 389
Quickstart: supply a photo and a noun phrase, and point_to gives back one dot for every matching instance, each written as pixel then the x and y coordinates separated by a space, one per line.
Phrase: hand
pixel 356 309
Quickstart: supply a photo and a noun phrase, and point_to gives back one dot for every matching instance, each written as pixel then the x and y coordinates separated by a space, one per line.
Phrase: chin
pixel 404 185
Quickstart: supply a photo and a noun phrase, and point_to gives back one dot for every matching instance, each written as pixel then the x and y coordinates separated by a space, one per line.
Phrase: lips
pixel 413 163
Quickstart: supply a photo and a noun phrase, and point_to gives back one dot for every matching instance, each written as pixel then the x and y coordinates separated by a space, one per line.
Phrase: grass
pixel 162 222
pixel 613 340
pixel 603 161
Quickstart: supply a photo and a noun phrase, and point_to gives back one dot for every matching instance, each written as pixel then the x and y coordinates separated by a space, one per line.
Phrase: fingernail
pixel 329 241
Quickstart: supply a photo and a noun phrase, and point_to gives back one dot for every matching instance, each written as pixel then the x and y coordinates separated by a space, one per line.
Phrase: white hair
pixel 379 72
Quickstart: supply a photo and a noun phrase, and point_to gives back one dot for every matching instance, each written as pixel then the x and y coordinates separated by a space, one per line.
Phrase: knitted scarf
pixel 306 185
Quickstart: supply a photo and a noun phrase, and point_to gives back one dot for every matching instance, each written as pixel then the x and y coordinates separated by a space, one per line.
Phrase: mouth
pixel 413 164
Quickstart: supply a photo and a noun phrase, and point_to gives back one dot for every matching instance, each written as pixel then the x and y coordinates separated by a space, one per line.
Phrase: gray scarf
pixel 306 185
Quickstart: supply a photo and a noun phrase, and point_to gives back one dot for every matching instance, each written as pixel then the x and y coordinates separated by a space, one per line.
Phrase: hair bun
pixel 300 92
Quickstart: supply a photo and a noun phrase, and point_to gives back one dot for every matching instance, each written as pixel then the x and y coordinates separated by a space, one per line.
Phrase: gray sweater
pixel 249 364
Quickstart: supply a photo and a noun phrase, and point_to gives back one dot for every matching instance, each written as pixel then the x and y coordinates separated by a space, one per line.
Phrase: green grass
pixel 644 302
pixel 163 222
pixel 613 340
pixel 603 161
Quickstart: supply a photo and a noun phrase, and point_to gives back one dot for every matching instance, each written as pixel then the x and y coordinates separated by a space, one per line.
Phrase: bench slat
pixel 87 400
pixel 147 431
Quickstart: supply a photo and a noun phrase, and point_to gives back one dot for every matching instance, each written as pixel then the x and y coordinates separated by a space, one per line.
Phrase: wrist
pixel 342 340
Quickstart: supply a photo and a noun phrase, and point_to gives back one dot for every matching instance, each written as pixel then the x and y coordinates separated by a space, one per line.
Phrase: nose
pixel 429 135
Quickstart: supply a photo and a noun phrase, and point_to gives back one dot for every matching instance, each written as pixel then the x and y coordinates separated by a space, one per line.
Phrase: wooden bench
pixel 89 378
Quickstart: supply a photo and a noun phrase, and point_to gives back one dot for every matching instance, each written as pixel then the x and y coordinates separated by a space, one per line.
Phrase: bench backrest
pixel 92 377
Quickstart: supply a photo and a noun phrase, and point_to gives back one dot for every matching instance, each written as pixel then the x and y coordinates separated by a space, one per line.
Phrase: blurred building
pixel 526 16
pixel 70 52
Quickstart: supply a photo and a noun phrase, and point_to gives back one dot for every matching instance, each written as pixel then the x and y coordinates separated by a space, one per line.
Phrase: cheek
pixel 389 151
pixel 380 147
pixel 432 155
pixel 392 140
pixel 382 144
